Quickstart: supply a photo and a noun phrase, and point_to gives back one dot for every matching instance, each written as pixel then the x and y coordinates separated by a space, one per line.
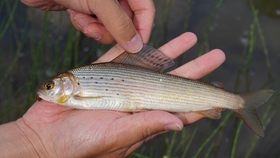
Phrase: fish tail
pixel 252 100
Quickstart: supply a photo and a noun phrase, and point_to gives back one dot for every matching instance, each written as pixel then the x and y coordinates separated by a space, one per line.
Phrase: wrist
pixel 18 140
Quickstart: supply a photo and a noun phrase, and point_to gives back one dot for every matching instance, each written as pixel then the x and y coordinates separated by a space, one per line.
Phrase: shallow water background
pixel 35 45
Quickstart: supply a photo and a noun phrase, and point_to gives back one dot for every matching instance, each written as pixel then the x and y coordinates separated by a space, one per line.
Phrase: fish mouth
pixel 38 94
pixel 38 98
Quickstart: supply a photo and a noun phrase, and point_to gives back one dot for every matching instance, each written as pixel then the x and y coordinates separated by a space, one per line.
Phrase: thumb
pixel 141 127
pixel 119 24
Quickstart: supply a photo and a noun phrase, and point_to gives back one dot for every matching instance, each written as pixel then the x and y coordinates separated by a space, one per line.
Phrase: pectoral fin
pixel 63 99
pixel 78 97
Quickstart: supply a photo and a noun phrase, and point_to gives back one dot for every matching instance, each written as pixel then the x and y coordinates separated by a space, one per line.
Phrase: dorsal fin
pixel 147 57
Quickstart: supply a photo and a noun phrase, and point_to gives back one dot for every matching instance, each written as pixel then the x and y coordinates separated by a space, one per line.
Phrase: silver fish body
pixel 122 87
pixel 125 87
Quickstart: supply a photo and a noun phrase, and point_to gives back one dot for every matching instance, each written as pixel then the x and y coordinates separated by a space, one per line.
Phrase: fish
pixel 135 83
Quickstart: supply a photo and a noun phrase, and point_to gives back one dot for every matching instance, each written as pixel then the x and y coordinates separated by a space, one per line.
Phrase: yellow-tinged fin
pixel 78 97
pixel 148 57
pixel 212 114
pixel 248 113
pixel 63 99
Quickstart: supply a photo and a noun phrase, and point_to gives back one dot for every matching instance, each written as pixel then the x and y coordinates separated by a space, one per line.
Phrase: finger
pixel 90 26
pixel 172 49
pixel 188 118
pixel 124 4
pixel 201 66
pixel 179 45
pixel 80 20
pixel 142 125
pixel 110 54
pixel 44 5
pixel 144 14
pixel 118 23
pixel 98 30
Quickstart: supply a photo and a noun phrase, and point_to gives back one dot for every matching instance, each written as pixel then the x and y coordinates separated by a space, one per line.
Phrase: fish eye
pixel 48 85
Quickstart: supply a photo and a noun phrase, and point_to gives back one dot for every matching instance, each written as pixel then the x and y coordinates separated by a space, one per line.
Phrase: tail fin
pixel 249 114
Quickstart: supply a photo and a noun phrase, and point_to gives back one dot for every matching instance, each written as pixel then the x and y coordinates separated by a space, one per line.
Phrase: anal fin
pixel 212 114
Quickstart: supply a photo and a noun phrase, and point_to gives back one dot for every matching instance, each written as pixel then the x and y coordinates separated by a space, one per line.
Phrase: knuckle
pixel 125 26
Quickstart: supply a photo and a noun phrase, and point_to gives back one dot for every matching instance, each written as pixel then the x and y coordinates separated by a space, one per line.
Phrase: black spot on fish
pixel 84 77
pixel 101 78
pixel 106 89
pixel 78 83
pixel 123 80
pixel 91 77
pixel 96 82
pixel 118 94
pixel 112 78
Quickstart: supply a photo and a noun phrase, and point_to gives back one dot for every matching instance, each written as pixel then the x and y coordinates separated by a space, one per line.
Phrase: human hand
pixel 129 22
pixel 59 131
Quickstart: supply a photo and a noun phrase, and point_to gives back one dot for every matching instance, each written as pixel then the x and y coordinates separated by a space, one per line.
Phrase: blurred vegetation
pixel 36 45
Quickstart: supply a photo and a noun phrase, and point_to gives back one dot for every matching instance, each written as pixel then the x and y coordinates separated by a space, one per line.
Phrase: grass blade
pixel 204 47
pixel 212 135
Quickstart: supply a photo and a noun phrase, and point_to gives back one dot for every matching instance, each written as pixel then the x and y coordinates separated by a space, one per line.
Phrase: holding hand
pixel 129 22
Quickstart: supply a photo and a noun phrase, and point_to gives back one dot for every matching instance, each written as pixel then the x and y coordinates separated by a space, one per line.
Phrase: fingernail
pixel 96 36
pixel 93 34
pixel 135 44
pixel 173 127
pixel 80 21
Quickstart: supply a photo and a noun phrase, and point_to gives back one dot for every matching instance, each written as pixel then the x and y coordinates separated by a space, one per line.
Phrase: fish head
pixel 57 90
